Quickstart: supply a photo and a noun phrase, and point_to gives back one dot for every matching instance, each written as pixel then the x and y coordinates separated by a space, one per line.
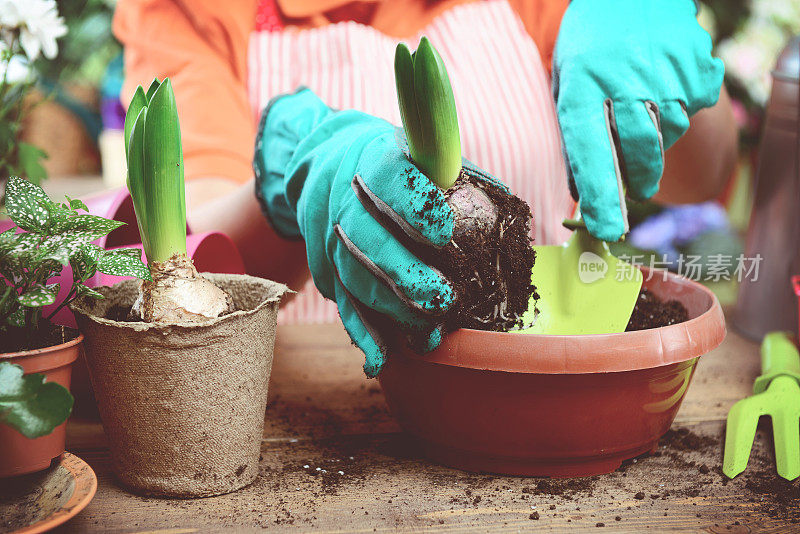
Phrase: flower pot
pixel 561 406
pixel 18 454
pixel 183 405
pixel 210 251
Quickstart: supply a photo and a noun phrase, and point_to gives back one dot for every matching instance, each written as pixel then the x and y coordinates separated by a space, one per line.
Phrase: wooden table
pixel 325 417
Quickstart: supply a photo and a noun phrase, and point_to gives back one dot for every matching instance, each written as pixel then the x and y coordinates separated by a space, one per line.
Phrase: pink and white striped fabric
pixel 506 113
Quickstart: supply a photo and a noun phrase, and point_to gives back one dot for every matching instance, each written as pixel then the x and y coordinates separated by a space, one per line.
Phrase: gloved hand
pixel 627 74
pixel 339 180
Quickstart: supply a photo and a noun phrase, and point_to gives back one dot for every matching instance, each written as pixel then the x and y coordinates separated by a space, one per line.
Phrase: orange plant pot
pixel 562 406
pixel 20 455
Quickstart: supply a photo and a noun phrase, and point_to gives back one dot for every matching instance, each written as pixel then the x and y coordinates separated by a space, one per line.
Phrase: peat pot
pixel 183 405
pixel 560 406
pixel 18 454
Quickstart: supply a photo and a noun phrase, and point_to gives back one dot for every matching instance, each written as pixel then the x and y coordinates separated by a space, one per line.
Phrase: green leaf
pixel 123 262
pixel 29 404
pixel 404 80
pixel 132 252
pixel 17 318
pixel 27 204
pixel 164 193
pixel 138 102
pixel 84 291
pixel 76 204
pixel 91 226
pixel 7 241
pixel 71 241
pixel 433 140
pixel 37 296
pixel 30 158
pixel 84 262
pixel 22 253
pixel 61 254
pixel 136 177
pixel 151 91
pixel 60 215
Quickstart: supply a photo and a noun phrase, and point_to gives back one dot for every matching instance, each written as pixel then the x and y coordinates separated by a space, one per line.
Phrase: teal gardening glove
pixel 339 180
pixel 627 74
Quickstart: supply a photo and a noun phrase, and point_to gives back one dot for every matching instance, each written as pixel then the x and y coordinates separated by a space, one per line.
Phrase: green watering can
pixel 775 393
pixel 582 287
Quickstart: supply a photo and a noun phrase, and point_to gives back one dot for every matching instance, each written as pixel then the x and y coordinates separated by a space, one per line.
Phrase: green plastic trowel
pixel 582 287
pixel 776 394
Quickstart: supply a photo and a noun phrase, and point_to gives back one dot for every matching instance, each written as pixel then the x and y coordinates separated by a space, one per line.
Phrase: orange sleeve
pixel 203 49
pixel 542 19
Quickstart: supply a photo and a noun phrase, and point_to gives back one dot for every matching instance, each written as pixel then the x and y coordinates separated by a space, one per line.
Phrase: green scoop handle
pixel 779 356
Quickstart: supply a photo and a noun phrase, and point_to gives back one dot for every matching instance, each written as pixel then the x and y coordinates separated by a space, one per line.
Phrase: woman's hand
pixel 340 181
pixel 627 76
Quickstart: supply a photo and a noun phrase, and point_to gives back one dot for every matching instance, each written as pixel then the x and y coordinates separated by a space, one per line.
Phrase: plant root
pixel 178 294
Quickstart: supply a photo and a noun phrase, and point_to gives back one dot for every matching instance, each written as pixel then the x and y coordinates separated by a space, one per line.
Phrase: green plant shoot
pixel 155 170
pixel 428 110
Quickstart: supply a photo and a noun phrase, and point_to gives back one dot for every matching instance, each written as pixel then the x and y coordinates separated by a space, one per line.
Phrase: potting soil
pixel 652 312
pixel 489 265
pixel 48 335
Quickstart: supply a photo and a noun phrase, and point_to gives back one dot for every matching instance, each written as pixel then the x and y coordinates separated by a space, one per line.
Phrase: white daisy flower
pixel 15 70
pixel 38 23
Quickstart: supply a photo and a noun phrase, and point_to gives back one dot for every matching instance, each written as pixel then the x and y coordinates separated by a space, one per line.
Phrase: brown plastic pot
pixel 560 406
pixel 183 405
pixel 18 454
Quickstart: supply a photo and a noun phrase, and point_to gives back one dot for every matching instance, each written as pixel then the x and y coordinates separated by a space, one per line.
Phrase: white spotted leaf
pixel 123 262
pixel 17 318
pixel 76 204
pixel 84 291
pixel 84 262
pixel 90 226
pixel 27 204
pixel 37 296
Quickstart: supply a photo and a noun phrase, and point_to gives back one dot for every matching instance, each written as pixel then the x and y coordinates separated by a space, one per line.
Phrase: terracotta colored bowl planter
pixel 559 406
pixel 18 454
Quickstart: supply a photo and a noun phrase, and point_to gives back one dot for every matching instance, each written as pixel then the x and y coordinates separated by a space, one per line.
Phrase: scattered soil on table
pixel 379 478
pixel 652 312
pixel 380 481
pixel 683 439
pixel 490 258
pixel 48 335
pixel 383 474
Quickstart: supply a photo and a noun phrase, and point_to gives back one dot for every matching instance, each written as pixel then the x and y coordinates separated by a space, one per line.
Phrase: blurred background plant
pixel 58 98
pixel 89 45
pixel 28 29
pixel 748 35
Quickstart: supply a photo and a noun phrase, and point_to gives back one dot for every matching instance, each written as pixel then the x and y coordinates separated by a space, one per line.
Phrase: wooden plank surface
pixel 333 460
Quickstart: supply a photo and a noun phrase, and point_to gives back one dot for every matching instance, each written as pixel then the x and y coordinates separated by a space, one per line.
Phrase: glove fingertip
pixel 424 340
pixel 373 369
pixel 434 339
pixel 360 332
pixel 646 190
pixel 374 354
pixel 610 230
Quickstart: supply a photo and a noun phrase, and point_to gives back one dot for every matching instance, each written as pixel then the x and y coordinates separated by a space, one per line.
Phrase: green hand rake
pixel 777 394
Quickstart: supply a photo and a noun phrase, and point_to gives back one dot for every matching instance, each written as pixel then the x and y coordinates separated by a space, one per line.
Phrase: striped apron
pixel 506 114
